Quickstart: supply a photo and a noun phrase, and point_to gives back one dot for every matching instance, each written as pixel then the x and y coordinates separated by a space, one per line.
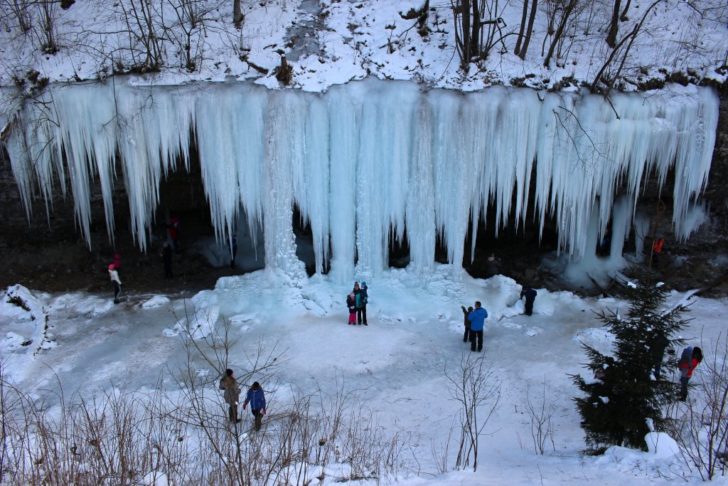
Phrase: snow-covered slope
pixel 395 368
pixel 330 42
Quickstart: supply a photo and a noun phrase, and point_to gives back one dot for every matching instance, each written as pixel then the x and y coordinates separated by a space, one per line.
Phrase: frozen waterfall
pixel 367 160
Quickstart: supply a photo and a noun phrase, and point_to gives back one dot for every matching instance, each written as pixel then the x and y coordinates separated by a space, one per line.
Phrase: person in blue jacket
pixel 256 398
pixel 477 322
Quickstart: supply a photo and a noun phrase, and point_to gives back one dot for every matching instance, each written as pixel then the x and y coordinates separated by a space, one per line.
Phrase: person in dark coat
pixel 358 303
pixel 477 323
pixel 256 399
pixel 689 360
pixel 234 251
pixel 361 312
pixel 466 322
pixel 173 233
pixel 232 394
pixel 530 295
pixel 167 259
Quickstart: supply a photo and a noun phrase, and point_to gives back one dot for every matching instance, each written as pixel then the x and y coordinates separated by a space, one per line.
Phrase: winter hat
pixel 112 266
pixel 363 284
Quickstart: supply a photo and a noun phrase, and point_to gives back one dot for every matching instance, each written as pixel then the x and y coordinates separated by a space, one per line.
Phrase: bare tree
pixel 46 31
pixel 614 25
pixel 145 41
pixel 541 411
pixel 189 30
pixel 622 48
pixel 565 12
pixel 477 390
pixel 20 10
pixel 524 32
pixel 471 42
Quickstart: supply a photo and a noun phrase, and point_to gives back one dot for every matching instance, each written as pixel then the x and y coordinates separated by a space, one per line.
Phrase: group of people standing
pixel 356 302
pixel 474 319
pixel 255 397
pixel 474 324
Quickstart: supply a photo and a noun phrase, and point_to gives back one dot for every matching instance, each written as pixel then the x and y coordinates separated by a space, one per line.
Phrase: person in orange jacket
pixel 689 360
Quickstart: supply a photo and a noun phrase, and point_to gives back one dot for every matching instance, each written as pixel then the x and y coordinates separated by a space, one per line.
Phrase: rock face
pixel 53 246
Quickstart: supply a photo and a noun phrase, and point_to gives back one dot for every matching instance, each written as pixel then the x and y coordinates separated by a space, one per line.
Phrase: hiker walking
pixel 115 281
pixel 477 321
pixel 466 322
pixel 689 360
pixel 232 394
pixel 530 295
pixel 256 398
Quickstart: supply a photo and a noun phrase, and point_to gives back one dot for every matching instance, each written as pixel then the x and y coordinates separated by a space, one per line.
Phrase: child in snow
pixel 351 304
pixel 115 281
pixel 232 394
pixel 256 398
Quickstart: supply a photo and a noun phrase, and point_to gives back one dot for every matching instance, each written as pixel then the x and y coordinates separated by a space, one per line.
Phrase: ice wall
pixel 368 160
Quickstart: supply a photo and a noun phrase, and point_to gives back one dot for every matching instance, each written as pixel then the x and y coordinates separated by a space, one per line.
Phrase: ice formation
pixel 369 161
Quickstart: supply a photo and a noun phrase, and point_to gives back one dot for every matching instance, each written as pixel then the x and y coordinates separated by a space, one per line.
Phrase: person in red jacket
pixel 657 247
pixel 690 359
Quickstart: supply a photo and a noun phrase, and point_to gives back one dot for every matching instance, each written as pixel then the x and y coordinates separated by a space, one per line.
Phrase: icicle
pixel 420 211
pixel 344 104
pixel 369 161
pixel 315 203
pixel 283 163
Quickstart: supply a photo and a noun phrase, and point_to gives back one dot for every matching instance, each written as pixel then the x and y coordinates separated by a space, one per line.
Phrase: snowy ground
pixel 396 366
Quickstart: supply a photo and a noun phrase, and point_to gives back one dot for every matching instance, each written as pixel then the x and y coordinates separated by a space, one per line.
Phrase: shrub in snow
pixel 616 407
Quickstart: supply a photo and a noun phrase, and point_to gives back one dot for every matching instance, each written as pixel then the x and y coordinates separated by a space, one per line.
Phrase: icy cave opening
pixel 372 173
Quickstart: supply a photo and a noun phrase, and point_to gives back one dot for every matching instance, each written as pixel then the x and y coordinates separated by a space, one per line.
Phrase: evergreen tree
pixel 625 393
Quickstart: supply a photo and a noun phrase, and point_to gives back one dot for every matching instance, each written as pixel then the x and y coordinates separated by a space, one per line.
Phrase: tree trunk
pixel 521 29
pixel 560 31
pixel 614 25
pixel 623 16
pixel 237 14
pixel 465 12
pixel 475 29
pixel 529 30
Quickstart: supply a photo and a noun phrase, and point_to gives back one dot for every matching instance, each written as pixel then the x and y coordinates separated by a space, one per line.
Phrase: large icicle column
pixel 370 161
